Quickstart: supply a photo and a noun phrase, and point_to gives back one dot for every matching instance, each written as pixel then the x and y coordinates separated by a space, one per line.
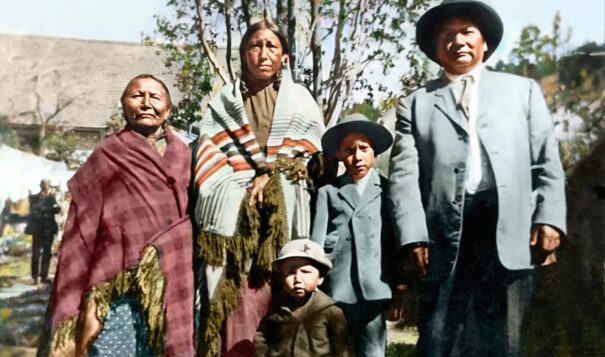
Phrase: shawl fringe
pixel 260 234
pixel 147 282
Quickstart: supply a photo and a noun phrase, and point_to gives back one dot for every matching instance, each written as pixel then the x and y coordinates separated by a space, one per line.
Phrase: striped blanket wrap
pixel 232 234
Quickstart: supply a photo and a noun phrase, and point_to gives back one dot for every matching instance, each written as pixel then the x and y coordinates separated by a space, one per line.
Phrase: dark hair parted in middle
pixel 143 76
pixel 250 31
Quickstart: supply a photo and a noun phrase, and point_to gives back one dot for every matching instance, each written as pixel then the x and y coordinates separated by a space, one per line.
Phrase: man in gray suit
pixel 477 187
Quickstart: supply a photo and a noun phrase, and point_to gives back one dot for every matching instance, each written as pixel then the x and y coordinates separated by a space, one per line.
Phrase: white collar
pixel 363 182
pixel 475 73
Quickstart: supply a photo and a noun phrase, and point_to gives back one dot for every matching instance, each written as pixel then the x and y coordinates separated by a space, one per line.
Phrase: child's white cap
pixel 304 248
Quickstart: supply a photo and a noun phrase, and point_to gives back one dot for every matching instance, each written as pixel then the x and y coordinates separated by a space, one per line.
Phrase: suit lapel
pixel 487 96
pixel 445 100
pixel 371 191
pixel 348 190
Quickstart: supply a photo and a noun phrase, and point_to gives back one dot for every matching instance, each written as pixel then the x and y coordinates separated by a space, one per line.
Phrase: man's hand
pixel 419 260
pixel 544 240
pixel 257 188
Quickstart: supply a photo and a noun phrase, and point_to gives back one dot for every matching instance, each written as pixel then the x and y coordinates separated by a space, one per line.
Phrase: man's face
pixel 460 45
pixel 357 155
pixel 299 277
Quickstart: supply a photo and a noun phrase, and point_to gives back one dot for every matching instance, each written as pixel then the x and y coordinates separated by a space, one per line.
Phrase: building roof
pixel 54 71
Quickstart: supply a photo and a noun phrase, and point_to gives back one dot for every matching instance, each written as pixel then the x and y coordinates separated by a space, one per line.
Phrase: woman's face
pixel 264 54
pixel 146 105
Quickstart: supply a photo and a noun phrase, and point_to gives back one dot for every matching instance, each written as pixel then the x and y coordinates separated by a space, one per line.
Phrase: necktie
pixel 465 97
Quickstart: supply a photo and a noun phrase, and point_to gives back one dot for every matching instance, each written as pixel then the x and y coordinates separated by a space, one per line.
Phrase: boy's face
pixel 357 154
pixel 299 277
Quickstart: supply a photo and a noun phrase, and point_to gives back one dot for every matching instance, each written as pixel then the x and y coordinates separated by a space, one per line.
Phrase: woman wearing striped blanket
pixel 251 198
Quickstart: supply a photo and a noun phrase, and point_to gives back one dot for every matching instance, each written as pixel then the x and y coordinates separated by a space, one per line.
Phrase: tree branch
pixel 228 29
pixel 315 46
pixel 292 35
pixel 206 47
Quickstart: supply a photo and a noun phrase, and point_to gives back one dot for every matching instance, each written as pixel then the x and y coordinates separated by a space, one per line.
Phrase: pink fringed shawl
pixel 127 197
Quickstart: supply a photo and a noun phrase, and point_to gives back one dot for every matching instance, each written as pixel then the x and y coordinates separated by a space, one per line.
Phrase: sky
pixel 126 20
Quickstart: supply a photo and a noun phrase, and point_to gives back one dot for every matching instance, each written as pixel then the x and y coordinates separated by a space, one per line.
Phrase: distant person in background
pixel 62 215
pixel 4 221
pixel 5 216
pixel 43 227
pixel 124 283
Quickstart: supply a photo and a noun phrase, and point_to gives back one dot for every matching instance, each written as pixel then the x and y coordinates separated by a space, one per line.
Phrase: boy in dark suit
pixel 353 225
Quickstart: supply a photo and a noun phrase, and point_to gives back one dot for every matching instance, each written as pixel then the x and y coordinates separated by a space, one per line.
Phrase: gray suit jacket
pixel 427 169
pixel 356 234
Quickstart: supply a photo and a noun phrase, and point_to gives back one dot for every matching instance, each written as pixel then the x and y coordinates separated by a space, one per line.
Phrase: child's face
pixel 299 277
pixel 357 154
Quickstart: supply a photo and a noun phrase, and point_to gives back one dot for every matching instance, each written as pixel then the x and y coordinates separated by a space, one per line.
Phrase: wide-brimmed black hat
pixel 482 15
pixel 356 123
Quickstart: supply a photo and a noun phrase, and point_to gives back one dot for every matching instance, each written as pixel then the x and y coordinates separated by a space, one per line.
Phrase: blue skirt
pixel 124 333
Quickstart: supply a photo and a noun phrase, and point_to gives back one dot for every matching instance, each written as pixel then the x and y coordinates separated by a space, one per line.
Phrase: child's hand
pixel 395 310
pixel 419 260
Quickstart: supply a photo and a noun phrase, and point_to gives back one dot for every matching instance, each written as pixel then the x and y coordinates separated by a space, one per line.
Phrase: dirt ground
pixel 22 308
pixel 563 320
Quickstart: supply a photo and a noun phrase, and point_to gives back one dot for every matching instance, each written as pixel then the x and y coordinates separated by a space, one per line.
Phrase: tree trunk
pixel 206 47
pixel 316 50
pixel 246 12
pixel 281 16
pixel 292 37
pixel 228 33
pixel 337 74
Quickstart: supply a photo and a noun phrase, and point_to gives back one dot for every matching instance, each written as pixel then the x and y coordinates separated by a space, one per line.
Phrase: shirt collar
pixel 363 182
pixel 475 73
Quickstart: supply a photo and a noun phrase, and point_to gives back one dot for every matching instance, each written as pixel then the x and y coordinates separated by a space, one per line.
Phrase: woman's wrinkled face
pixel 264 54
pixel 146 105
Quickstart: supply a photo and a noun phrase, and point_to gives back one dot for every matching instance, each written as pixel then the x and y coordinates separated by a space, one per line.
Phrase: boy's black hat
pixel 357 123
pixel 482 15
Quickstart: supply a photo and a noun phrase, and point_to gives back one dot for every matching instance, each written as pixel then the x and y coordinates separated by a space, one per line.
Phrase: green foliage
pixel 183 57
pixel 61 146
pixel 536 54
pixel 358 35
pixel 115 123
pixel 11 138
pixel 573 86
pixel 366 109
pixel 400 350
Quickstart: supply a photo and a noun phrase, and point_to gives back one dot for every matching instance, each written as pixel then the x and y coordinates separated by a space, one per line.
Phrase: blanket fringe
pixel 260 234
pixel 147 282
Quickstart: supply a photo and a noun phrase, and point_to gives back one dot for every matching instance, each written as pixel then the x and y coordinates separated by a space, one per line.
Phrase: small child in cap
pixel 302 321
pixel 352 223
